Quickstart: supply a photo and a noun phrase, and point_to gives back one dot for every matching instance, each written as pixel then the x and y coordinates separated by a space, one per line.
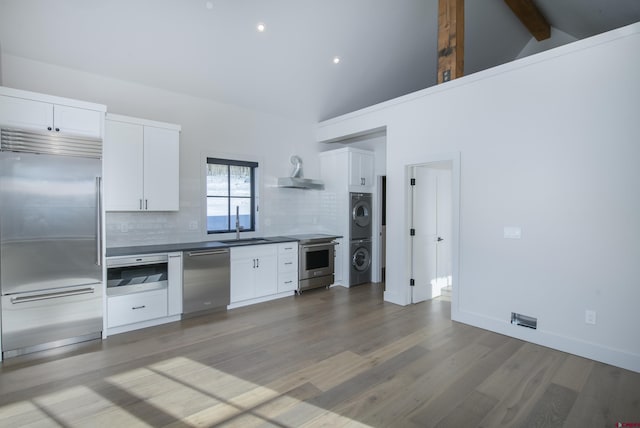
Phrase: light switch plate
pixel 512 232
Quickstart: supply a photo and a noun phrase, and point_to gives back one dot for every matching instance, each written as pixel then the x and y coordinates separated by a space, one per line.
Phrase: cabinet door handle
pixel 258 263
pixel 254 263
pixel 49 128
pixel 140 203
pixel 146 204
pixel 57 129
pixel 139 307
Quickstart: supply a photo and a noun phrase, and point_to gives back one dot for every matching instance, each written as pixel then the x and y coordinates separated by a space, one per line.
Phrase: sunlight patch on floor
pixel 177 391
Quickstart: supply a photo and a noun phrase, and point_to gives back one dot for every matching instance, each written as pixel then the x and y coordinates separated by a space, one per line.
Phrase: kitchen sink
pixel 247 241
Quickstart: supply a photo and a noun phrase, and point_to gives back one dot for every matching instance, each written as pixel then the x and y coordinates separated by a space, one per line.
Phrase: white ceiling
pixel 387 47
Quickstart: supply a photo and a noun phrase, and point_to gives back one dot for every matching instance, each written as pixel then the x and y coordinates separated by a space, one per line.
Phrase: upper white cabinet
pixel 39 112
pixel 361 174
pixel 141 165
pixel 348 169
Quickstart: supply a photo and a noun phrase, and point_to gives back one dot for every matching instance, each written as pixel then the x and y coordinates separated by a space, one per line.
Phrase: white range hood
pixel 296 181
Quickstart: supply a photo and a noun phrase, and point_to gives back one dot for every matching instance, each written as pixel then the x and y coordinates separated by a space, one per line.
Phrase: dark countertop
pixel 194 246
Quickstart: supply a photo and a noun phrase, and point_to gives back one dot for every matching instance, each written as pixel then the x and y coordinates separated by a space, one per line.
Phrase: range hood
pixel 296 181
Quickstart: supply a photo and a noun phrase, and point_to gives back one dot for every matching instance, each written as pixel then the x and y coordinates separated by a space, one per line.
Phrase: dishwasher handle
pixel 207 252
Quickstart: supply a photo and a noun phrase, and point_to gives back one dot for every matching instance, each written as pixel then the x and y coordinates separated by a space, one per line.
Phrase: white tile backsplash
pixel 282 212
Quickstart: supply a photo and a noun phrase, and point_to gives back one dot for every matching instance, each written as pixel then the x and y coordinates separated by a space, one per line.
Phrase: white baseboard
pixel 260 299
pixel 593 351
pixel 139 325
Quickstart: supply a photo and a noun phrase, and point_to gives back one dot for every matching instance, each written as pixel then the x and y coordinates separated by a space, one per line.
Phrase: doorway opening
pixel 432 224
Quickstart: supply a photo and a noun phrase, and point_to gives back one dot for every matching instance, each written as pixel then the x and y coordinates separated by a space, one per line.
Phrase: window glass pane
pixel 240 177
pixel 230 184
pixel 244 205
pixel 217 180
pixel 217 214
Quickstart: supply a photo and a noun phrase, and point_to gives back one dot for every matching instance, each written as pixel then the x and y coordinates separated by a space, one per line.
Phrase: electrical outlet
pixel 590 317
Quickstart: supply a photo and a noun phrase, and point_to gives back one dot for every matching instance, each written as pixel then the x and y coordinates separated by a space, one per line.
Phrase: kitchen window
pixel 230 189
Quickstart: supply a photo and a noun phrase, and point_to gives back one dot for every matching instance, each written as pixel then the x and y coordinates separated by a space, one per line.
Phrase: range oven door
pixel 316 260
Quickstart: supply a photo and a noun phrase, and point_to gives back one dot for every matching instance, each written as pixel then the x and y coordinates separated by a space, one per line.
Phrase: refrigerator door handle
pixel 98 221
pixel 45 296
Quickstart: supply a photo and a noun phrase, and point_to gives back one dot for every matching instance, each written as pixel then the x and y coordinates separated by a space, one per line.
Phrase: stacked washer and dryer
pixel 360 238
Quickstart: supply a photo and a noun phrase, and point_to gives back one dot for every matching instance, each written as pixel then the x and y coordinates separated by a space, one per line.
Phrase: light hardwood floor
pixel 338 357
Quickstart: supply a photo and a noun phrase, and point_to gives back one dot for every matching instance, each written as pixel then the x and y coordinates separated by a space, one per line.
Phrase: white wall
pixel 550 143
pixel 208 128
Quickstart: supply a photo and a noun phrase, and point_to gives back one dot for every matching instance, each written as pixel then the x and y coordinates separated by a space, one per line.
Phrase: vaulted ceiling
pixel 212 49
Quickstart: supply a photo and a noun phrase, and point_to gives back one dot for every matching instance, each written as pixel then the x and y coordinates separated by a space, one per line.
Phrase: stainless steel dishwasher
pixel 206 281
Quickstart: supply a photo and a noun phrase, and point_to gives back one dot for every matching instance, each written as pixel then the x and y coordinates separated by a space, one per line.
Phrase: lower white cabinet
pixel 287 267
pixel 254 272
pixel 140 309
pixel 136 307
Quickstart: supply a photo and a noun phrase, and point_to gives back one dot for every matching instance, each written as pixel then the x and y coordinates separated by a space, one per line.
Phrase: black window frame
pixel 229 163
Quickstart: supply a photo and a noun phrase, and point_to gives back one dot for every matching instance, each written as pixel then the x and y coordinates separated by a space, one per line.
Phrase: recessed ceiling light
pixel 261 27
pixel 336 59
pixel 209 5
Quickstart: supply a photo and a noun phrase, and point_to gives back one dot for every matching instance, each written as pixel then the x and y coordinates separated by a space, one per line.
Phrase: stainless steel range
pixel 316 254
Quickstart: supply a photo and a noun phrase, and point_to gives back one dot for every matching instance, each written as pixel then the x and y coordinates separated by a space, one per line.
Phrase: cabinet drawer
pixel 287 263
pixel 253 251
pixel 287 282
pixel 288 248
pixel 137 307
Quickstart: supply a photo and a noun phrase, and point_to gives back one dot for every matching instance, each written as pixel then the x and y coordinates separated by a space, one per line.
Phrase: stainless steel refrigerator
pixel 50 242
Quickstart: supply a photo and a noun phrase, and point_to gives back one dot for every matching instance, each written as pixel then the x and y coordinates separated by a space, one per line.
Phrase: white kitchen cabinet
pixel 174 288
pixel 254 272
pixel 287 267
pixel 42 113
pixel 361 171
pixel 136 307
pixel 141 165
pixel 348 170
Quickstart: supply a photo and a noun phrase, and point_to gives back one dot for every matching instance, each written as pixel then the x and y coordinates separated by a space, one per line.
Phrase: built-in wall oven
pixel 316 261
pixel 136 273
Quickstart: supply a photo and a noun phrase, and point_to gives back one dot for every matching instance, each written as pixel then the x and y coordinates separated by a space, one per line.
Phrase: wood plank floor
pixel 338 357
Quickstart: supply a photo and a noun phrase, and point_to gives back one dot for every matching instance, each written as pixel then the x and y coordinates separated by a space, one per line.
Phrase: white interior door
pixel 431 222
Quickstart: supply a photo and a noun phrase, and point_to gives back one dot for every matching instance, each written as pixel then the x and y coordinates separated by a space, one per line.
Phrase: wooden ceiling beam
pixel 450 39
pixel 531 17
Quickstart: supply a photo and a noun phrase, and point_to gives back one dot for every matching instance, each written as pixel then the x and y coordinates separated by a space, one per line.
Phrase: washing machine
pixel 361 216
pixel 360 262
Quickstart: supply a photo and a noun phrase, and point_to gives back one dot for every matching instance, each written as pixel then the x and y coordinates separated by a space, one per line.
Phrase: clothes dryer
pixel 361 216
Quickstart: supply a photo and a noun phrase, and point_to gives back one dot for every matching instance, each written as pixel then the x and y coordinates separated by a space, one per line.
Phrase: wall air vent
pixel 524 321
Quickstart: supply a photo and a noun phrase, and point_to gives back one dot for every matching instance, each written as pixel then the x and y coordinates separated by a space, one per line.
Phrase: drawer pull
pixel 288 263
pixel 288 282
pixel 139 307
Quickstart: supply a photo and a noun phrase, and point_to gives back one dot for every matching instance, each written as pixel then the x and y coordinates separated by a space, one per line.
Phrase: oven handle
pixel 44 296
pixel 318 245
